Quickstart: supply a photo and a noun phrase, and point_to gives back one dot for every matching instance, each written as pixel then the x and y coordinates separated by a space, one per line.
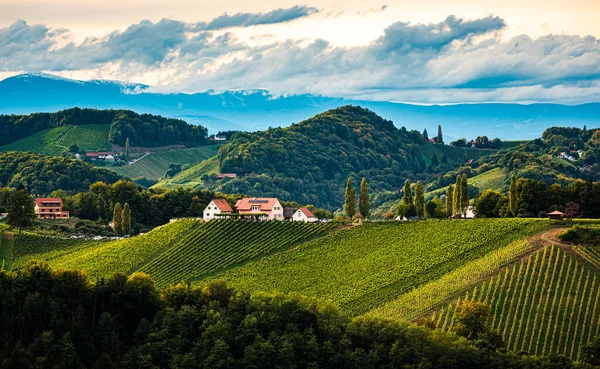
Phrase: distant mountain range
pixel 258 110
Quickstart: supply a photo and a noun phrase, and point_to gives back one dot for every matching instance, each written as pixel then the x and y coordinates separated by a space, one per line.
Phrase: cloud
pixel 255 19
pixel 456 60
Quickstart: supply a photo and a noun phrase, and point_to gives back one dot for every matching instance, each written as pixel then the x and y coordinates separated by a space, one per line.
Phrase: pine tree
pixel 350 203
pixel 464 196
pixel 118 219
pixel 363 203
pixel 419 200
pixel 450 200
pixel 425 135
pixel 440 137
pixel 434 160
pixel 126 220
pixel 127 149
pixel 457 200
pixel 513 196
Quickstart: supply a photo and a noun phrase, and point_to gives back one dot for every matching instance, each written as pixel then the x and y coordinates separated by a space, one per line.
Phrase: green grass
pixel 6 250
pixel 154 165
pixel 457 154
pixel 218 245
pixel 191 176
pixel 364 267
pixel 546 304
pixel 54 141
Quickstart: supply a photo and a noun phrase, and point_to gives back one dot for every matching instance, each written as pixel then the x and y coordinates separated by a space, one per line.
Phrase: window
pixel 254 207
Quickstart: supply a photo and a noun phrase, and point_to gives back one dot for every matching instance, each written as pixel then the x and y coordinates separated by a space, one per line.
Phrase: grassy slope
pixel 6 250
pixel 546 304
pixel 493 179
pixel 457 154
pixel 57 140
pixel 364 267
pixel 154 165
pixel 191 176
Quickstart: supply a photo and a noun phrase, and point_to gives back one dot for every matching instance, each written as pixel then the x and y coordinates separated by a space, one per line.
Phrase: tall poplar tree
pixel 350 203
pixel 419 200
pixel 425 135
pixel 118 219
pixel 407 199
pixel 450 201
pixel 364 208
pixel 513 196
pixel 457 200
pixel 127 149
pixel 440 137
pixel 464 196
pixel 126 220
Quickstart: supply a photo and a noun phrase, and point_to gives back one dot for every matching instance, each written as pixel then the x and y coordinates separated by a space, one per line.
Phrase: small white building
pixel 215 207
pixel 109 158
pixel 303 215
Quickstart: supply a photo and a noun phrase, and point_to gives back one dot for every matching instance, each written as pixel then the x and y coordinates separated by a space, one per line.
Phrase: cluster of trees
pixel 60 319
pixel 41 174
pixel 122 219
pixel 533 198
pixel 364 205
pixel 309 161
pixel 454 206
pixel 439 139
pixel 481 142
pixel 143 129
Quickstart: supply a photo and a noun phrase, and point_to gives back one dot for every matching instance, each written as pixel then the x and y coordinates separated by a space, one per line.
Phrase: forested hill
pixel 309 161
pixel 41 174
pixel 142 129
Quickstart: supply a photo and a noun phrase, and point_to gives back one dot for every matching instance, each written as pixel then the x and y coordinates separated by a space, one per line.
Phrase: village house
pixel 216 207
pixel 50 208
pixel 270 207
pixel 226 175
pixel 102 156
pixel 303 215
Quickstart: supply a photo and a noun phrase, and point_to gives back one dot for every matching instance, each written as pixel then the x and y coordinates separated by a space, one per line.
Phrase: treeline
pixel 533 198
pixel 142 129
pixel 481 142
pixel 41 174
pixel 60 319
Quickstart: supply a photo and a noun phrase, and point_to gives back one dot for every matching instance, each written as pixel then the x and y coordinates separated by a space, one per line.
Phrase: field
pixel 6 250
pixel 54 141
pixel 191 176
pixel 457 154
pixel 154 165
pixel 546 304
pixel 367 266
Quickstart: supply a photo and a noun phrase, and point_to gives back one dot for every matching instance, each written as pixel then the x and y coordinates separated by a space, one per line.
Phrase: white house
pixel 215 207
pixel 109 158
pixel 269 207
pixel 303 215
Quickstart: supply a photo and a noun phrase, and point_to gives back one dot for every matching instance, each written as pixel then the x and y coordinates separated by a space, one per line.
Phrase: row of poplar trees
pixel 364 206
pixel 122 219
pixel 457 200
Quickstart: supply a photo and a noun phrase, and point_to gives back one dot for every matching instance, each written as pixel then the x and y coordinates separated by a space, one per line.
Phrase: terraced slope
pixel 546 304
pixel 154 165
pixel 220 244
pixel 57 140
pixel 364 267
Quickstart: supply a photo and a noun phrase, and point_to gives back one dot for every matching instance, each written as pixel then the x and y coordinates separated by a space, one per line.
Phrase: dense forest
pixel 141 129
pixel 60 319
pixel 41 174
pixel 309 161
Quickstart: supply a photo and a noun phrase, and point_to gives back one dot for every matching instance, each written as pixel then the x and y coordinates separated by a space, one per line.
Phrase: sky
pixel 427 51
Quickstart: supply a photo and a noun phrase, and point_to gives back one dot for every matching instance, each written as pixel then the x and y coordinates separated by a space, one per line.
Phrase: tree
pixel 118 219
pixel 126 220
pixel 363 204
pixel 488 204
pixel 419 200
pixel 406 209
pixel 591 352
pixel 434 160
pixel 435 208
pixel 350 203
pixel 440 137
pixel 20 208
pixel 450 201
pixel 464 196
pixel 407 199
pixel 444 159
pixel 425 135
pixel 127 149
pixel 513 197
pixel 572 210
pixel 457 200
pixel 472 319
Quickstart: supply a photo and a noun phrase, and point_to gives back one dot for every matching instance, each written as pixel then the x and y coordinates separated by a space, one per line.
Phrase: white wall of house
pixel 210 211
pixel 299 216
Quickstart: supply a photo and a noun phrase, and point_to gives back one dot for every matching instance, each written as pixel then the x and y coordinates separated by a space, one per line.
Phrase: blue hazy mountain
pixel 257 109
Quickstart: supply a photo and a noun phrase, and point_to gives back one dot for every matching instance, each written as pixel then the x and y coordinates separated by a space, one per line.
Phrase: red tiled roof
pixel 226 175
pixel 307 212
pixel 556 212
pixel 41 202
pixel 91 154
pixel 264 204
pixel 223 205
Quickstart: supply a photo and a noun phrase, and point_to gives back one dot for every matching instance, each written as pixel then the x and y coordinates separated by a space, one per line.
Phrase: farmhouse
pixel 50 208
pixel 216 207
pixel 303 215
pixel 102 155
pixel 270 207
pixel 226 175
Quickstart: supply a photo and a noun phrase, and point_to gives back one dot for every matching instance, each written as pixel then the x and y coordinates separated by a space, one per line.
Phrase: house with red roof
pixel 270 208
pixel 303 215
pixel 216 207
pixel 50 208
